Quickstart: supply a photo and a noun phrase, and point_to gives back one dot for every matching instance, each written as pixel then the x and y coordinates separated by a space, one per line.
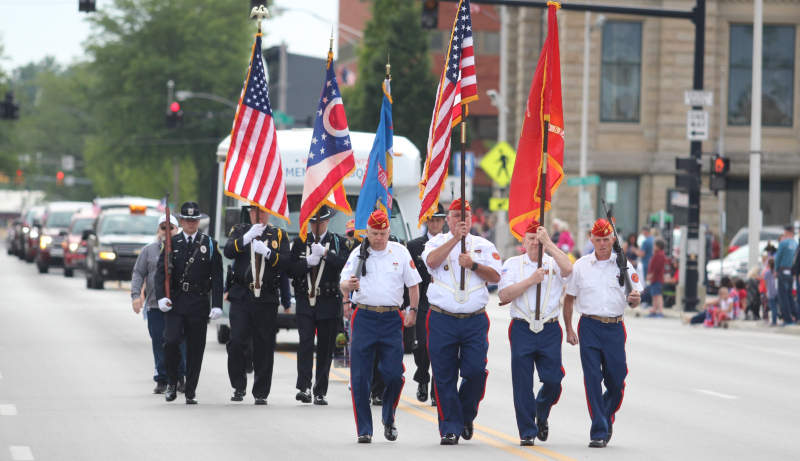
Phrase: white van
pixel 294 146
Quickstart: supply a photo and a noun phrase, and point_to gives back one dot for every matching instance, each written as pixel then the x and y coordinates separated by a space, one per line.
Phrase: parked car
pixel 29 236
pixel 767 233
pixel 74 244
pixel 125 201
pixel 734 265
pixel 53 231
pixel 14 227
pixel 115 240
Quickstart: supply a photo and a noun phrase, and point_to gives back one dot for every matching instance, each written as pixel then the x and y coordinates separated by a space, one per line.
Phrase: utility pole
pixel 501 231
pixel 283 79
pixel 754 208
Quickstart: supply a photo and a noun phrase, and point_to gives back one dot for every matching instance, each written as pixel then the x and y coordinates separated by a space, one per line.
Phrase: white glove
pixel 312 260
pixel 215 313
pixel 260 248
pixel 254 232
pixel 164 304
pixel 317 249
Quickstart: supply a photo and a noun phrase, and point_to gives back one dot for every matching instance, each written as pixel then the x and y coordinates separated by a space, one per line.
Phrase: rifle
pixel 257 275
pixel 167 249
pixel 622 260
pixel 361 268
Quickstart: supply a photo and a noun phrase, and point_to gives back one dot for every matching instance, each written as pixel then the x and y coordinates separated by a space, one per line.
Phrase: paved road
pixel 75 384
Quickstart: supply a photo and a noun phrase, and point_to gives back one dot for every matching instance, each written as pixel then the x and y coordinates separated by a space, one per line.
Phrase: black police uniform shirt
pixel 279 260
pixel 204 273
pixel 328 304
pixel 416 247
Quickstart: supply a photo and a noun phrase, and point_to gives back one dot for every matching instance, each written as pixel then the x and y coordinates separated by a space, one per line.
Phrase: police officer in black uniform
pixel 321 313
pixel 254 310
pixel 416 247
pixel 196 274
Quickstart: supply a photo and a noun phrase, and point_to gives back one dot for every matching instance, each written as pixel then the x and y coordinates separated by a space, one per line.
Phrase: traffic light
pixel 719 173
pixel 19 178
pixel 430 14
pixel 174 115
pixel 87 5
pixel 60 178
pixel 9 108
pixel 692 180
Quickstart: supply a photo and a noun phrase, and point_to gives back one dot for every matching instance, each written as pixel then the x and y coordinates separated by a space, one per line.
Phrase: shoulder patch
pixel 411 261
pixel 635 277
pixel 496 256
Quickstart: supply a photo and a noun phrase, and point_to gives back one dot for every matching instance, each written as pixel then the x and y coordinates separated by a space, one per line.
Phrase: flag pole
pixel 542 195
pixel 463 187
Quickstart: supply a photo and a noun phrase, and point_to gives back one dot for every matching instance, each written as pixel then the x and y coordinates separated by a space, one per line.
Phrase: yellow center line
pixel 507 443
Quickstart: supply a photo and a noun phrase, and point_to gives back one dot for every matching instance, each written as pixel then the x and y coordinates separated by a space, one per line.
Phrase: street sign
pixel 498 163
pixel 69 181
pixel 470 162
pixel 452 188
pixel 585 200
pixel 585 220
pixel 68 163
pixel 698 98
pixel 498 204
pixel 591 180
pixel 281 118
pixel 611 192
pixel 697 125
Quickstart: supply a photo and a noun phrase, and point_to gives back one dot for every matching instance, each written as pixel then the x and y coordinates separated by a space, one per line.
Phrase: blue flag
pixel 376 187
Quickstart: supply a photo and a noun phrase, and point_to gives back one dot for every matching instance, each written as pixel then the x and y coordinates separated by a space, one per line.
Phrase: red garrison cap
pixel 378 220
pixel 532 227
pixel 351 225
pixel 456 205
pixel 601 228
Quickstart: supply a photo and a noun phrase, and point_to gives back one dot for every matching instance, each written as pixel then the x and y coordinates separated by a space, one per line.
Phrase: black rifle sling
pixel 198 245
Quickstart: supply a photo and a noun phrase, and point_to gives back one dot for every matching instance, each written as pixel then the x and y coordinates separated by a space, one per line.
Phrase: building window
pixel 625 210
pixel 777 89
pixel 621 72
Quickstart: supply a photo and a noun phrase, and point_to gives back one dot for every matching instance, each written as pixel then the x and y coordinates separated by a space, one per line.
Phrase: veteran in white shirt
pixel 535 341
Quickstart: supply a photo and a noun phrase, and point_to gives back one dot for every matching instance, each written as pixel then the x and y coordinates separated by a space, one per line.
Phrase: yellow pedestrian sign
pixel 497 204
pixel 498 163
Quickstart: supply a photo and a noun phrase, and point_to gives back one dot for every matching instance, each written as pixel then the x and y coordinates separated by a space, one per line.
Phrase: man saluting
pixel 196 274
pixel 598 296
pixel 377 322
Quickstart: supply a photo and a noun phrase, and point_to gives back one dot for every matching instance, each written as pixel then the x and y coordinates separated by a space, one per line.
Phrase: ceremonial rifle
pixel 361 268
pixel 167 249
pixel 622 260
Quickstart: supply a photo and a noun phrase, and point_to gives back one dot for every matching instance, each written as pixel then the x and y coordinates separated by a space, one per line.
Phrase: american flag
pixel 458 86
pixel 330 157
pixel 253 171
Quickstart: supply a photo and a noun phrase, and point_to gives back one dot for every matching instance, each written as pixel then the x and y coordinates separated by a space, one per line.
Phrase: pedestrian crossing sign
pixel 498 163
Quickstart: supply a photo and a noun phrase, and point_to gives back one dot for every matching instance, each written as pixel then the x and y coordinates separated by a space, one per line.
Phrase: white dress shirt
pixel 511 275
pixel 388 271
pixel 483 252
pixel 595 285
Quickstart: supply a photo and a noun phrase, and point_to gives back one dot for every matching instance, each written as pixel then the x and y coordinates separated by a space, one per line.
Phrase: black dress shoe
pixel 422 392
pixel 597 443
pixel 610 433
pixel 161 387
pixel 527 441
pixel 544 429
pixel 390 432
pixel 261 400
pixel 469 429
pixel 449 439
pixel 433 399
pixel 320 400
pixel 238 395
pixel 304 396
pixel 377 401
pixel 171 393
pixel 365 438
pixel 182 385
pixel 191 401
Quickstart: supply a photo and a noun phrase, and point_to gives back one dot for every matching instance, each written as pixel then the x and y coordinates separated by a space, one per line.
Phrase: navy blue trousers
pixel 604 363
pixel 155 326
pixel 382 334
pixel 542 351
pixel 458 346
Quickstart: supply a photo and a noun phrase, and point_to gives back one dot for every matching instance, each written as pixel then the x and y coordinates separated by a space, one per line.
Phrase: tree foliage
pixel 395 31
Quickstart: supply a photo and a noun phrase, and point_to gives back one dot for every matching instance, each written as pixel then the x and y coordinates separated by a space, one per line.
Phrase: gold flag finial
pixel 388 68
pixel 260 12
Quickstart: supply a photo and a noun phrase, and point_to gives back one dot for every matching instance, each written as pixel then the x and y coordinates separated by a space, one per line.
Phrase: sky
pixel 33 29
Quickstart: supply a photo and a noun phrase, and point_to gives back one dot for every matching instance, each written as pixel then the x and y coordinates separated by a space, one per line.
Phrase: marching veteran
pixel 375 274
pixel 458 326
pixel 599 297
pixel 535 342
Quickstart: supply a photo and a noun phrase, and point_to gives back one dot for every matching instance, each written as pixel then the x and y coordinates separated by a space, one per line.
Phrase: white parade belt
pixel 461 296
pixel 313 286
pixel 536 325
pixel 253 256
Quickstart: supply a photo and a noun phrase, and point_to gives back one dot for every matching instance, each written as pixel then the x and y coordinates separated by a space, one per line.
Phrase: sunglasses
pixel 165 227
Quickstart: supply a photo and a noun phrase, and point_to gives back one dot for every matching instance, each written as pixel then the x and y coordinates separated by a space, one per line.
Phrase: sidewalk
pixel 748 325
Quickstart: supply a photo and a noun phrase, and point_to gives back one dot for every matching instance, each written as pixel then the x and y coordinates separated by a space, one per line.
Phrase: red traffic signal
pixel 60 178
pixel 175 107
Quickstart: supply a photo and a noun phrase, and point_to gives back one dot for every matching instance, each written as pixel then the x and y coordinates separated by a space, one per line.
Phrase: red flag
pixel 544 103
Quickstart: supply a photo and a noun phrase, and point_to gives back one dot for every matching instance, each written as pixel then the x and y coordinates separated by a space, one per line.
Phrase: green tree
pixel 394 30
pixel 137 46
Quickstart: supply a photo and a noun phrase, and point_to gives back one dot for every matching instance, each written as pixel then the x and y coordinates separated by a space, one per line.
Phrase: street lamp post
pixel 754 209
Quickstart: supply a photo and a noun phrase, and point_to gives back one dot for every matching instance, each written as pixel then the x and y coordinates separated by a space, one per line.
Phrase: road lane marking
pixel 8 410
pixel 491 437
pixel 717 394
pixel 21 453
